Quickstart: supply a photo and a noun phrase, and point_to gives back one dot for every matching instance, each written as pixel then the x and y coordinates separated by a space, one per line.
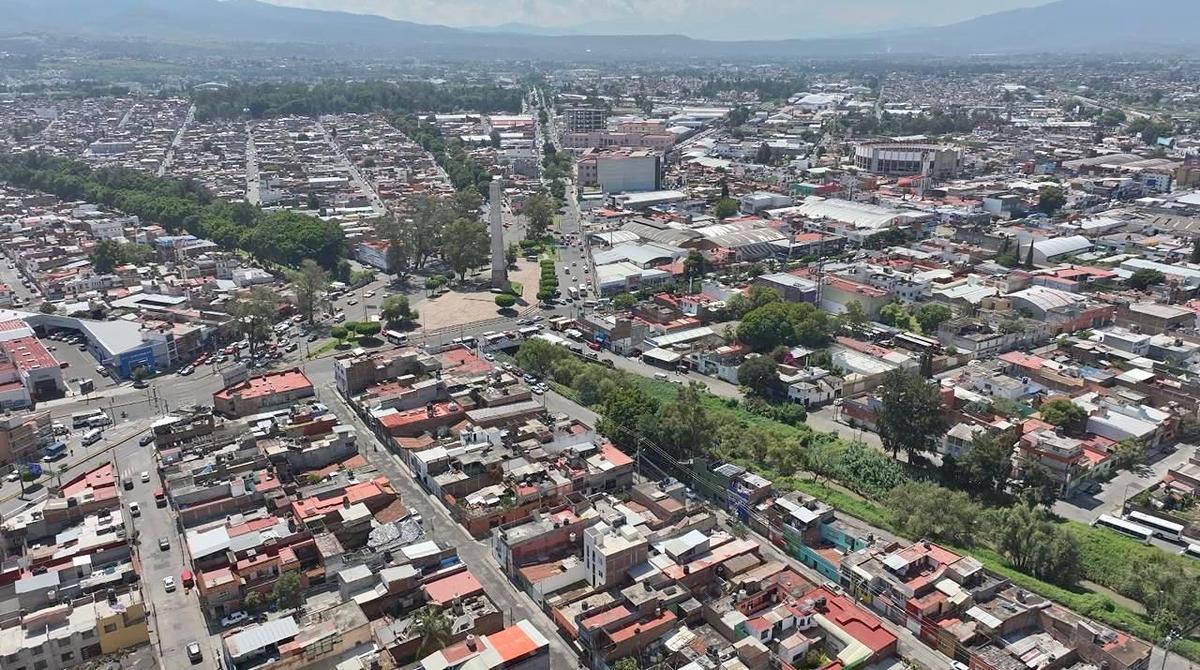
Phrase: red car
pixel 594 346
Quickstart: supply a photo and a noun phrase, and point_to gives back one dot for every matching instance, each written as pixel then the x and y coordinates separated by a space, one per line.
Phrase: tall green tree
pixel 1145 278
pixel 1063 413
pixel 1051 199
pixel 985 468
pixel 254 313
pixel 539 212
pixel 1031 542
pixel 628 415
pixel 686 429
pixel 287 592
pixel 309 283
pixel 694 265
pixel 465 245
pixel 760 374
pixel 104 256
pixel 931 315
pixel 725 208
pixel 926 510
pixel 763 154
pixel 911 414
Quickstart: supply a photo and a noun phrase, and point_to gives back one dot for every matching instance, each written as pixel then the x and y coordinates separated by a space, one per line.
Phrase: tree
pixel 104 256
pixel 254 314
pixel 1145 278
pixel 468 202
pixel 506 300
pixel 685 428
pixel 767 327
pixel 983 470
pixel 539 356
pixel 627 663
pixel 763 155
pixel 1029 257
pixel 628 413
pixel 401 248
pixel 1032 543
pixel 287 592
pixel 539 211
pixel 1051 199
pixel 309 283
pixel 369 328
pixel 48 308
pixel 313 201
pixel 396 310
pixel 1037 487
pixel 1170 593
pixel 140 373
pixel 931 315
pixel 510 254
pixel 339 332
pixel 926 368
pixel 926 510
pixel 254 601
pixel 623 301
pixel 896 314
pixel 855 317
pixel 725 208
pixel 694 266
pixel 558 190
pixel 1128 452
pixel 910 417
pixel 760 374
pixel 433 628
pixel 494 137
pixel 465 245
pixel 1063 413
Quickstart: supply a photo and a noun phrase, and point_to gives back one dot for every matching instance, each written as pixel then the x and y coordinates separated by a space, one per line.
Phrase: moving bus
pixel 573 292
pixel 1161 527
pixel 55 452
pixel 395 337
pixel 84 419
pixel 1138 532
pixel 91 437
pixel 1191 551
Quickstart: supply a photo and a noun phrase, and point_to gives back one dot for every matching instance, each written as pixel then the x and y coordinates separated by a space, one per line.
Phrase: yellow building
pixel 121 622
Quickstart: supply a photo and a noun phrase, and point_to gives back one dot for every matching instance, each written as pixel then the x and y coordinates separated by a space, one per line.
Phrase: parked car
pixel 146 439
pixel 233 619
pixel 193 652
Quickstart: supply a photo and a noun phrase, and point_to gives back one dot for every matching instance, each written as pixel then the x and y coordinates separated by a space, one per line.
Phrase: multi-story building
pixel 274 390
pixel 610 549
pixel 22 434
pixel 618 171
pixel 898 159
pixel 585 119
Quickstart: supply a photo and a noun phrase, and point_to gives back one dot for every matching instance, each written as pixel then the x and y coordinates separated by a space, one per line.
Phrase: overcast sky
pixel 717 19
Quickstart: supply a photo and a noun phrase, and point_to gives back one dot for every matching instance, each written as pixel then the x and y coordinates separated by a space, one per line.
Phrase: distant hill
pixel 1103 26
pixel 1066 25
pixel 204 21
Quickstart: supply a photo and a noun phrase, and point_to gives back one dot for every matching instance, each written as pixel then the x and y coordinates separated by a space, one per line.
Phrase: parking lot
pixel 79 364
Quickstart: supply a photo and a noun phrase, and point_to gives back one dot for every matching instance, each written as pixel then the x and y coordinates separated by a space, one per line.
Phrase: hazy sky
pixel 720 19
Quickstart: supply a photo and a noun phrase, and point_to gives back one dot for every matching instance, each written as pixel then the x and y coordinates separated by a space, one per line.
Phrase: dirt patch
pixel 457 308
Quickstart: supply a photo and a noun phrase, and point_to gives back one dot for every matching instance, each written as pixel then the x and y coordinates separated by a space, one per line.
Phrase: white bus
pixel 92 436
pixel 84 419
pixel 1140 533
pixel 395 337
pixel 1191 551
pixel 1161 527
pixel 573 292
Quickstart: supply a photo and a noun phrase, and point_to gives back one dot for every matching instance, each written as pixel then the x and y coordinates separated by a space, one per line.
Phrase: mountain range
pixel 1062 26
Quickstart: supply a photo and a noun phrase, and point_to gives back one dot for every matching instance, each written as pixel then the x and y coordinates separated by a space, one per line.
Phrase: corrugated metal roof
pixel 259 637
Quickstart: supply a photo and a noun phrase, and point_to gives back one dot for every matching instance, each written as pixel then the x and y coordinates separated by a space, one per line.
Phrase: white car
pixel 135 509
pixel 145 476
pixel 234 619
pixel 13 476
pixel 169 583
pixel 369 294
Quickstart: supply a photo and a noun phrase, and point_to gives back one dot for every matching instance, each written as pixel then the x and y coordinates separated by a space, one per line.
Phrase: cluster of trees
pixel 778 89
pixel 1025 535
pixel 1150 129
pixel 310 284
pixel 925 319
pixel 936 122
pixel 770 323
pixel 279 237
pixel 556 165
pixel 463 170
pixel 355 329
pixel 254 314
pixel 1051 198
pixel 1145 278
pixel 268 100
pixel 108 254
pixel 446 228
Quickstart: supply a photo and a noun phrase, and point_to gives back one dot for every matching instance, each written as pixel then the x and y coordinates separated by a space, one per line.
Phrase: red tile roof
pixel 458 585
pixel 284 381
